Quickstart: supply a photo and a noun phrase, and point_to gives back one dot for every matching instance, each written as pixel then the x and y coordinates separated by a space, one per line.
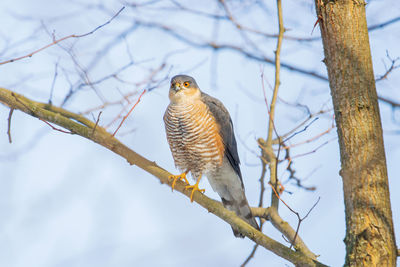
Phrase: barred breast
pixel 194 138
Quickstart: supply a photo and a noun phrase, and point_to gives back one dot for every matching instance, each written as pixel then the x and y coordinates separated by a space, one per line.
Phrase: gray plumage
pixel 224 120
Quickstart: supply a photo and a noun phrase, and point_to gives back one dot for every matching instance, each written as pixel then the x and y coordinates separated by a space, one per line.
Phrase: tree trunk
pixel 369 237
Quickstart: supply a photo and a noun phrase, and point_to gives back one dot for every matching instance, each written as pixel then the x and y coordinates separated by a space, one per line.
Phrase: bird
pixel 200 134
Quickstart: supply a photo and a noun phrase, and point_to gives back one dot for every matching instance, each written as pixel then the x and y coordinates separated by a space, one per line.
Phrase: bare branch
pixel 392 67
pixel 284 227
pixel 260 204
pixel 84 75
pixel 9 125
pixel 239 26
pixel 127 115
pixel 271 127
pixel 384 24
pixel 55 128
pixel 188 39
pixel 313 138
pixel 97 122
pixel 310 116
pixel 390 102
pixel 315 149
pixel 56 41
pixel 251 255
pixel 292 172
pixel 53 83
pixel 300 220
pixel 302 130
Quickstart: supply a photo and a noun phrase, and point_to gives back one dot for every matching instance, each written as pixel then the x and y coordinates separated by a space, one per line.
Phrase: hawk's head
pixel 183 88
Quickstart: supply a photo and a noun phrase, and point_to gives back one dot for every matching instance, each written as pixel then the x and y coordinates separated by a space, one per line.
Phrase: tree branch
pixel 271 126
pixel 384 24
pixel 9 125
pixel 390 102
pixel 127 115
pixel 56 41
pixel 189 39
pixel 283 227
pixel 84 127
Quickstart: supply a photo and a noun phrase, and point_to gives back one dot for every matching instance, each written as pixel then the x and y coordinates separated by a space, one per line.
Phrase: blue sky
pixel 65 201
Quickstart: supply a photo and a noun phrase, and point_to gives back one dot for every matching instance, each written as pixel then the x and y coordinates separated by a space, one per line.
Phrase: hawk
pixel 201 138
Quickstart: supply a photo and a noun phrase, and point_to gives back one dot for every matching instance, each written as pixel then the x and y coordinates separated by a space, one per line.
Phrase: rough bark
pixel 369 237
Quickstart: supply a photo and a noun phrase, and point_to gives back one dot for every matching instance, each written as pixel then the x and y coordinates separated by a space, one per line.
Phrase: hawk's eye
pixel 186 84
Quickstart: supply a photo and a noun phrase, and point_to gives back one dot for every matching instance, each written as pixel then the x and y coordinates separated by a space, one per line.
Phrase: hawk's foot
pixel 195 188
pixel 181 177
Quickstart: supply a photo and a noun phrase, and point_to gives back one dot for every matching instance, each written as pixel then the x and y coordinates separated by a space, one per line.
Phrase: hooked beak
pixel 176 87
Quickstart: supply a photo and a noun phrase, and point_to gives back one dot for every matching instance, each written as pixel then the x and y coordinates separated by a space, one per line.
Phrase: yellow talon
pixel 181 177
pixel 195 188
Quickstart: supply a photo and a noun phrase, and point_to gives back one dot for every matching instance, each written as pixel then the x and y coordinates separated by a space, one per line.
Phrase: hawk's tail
pixel 242 209
pixel 227 182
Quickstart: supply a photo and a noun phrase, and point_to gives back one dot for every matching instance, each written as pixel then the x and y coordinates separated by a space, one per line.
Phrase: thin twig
pixel 390 102
pixel 260 204
pixel 9 125
pixel 313 138
pixel 54 128
pixel 97 122
pixel 292 172
pixel 53 83
pixel 314 150
pixel 295 212
pixel 262 184
pixel 84 75
pixel 111 103
pixel 22 103
pixel 34 114
pixel 301 124
pixel 253 251
pixel 384 24
pixel 301 220
pixel 392 67
pixel 127 115
pixel 56 41
pixel 302 130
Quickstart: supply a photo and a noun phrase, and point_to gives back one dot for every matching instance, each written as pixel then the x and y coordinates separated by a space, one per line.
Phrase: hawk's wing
pixel 224 121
